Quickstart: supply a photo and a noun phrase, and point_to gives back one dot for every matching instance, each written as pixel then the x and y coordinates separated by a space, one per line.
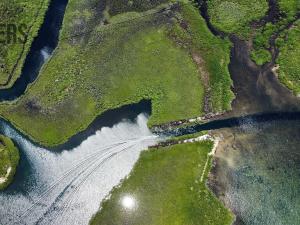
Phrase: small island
pixel 9 159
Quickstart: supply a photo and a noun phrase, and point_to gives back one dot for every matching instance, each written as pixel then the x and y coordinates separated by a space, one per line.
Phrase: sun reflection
pixel 128 202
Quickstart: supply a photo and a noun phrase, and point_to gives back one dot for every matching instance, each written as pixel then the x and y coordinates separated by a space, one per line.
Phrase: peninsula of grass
pixel 20 21
pixel 165 54
pixel 289 58
pixel 165 187
pixel 235 16
pixel 9 159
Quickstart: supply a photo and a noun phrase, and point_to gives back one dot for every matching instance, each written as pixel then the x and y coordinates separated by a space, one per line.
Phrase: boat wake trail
pixel 71 183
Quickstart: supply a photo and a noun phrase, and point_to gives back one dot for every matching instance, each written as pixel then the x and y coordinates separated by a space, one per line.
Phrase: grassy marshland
pixel 9 159
pixel 27 16
pixel 289 58
pixel 165 187
pixel 261 41
pixel 235 16
pixel 289 7
pixel 115 54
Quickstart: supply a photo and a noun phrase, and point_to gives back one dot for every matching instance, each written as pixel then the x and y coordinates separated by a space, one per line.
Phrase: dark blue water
pixel 232 122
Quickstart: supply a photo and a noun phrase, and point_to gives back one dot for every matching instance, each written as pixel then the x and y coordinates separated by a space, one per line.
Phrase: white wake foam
pixel 45 52
pixel 68 187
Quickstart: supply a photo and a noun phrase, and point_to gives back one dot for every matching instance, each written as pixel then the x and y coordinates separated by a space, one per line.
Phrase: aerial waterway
pixel 262 132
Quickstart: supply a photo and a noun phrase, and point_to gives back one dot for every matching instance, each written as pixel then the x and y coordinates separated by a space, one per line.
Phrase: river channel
pixel 256 168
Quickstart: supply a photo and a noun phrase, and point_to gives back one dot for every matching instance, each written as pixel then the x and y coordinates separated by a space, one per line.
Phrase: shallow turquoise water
pixel 258 172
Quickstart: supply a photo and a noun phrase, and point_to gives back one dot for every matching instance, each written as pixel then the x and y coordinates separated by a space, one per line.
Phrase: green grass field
pixel 166 54
pixel 289 58
pixel 165 187
pixel 12 54
pixel 235 16
pixel 9 157
pixel 289 7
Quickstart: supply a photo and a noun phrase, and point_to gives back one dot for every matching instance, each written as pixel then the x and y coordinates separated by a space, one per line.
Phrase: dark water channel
pixel 256 171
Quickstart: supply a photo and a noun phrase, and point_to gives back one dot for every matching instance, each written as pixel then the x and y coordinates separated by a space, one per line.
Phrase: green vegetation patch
pixel 235 16
pixel 20 21
pixel 165 187
pixel 130 57
pixel 212 55
pixel 9 159
pixel 261 40
pixel 115 7
pixel 261 43
pixel 261 56
pixel 289 7
pixel 289 58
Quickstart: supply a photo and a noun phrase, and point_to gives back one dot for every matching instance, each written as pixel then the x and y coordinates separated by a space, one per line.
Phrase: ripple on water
pixel 262 182
pixel 54 188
